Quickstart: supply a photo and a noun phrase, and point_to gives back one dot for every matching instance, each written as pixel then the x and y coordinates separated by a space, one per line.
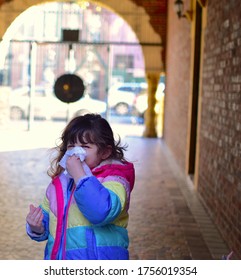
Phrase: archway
pixel 139 21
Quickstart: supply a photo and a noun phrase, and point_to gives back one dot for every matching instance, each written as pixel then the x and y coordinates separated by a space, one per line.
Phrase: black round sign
pixel 69 88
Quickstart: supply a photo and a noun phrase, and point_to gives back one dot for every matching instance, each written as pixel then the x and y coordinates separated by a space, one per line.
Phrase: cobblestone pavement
pixel 167 219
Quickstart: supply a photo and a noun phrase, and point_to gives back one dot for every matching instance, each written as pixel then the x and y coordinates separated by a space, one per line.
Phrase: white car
pixel 47 106
pixel 121 97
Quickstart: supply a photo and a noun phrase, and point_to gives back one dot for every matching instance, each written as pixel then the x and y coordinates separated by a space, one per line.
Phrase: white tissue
pixel 81 154
pixel 78 151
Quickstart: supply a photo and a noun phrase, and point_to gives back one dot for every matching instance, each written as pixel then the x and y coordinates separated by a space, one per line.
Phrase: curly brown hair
pixel 88 128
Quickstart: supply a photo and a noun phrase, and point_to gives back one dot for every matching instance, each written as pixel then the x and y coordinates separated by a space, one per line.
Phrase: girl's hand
pixel 35 218
pixel 75 168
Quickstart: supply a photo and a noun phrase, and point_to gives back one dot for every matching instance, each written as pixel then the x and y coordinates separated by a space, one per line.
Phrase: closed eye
pixel 85 146
pixel 70 146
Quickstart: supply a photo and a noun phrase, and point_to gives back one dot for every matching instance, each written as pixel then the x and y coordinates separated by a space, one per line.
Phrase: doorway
pixel 195 91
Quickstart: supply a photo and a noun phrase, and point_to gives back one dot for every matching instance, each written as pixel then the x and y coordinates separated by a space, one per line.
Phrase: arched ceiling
pixel 157 10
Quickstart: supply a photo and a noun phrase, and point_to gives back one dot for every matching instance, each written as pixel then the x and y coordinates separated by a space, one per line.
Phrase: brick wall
pixel 220 139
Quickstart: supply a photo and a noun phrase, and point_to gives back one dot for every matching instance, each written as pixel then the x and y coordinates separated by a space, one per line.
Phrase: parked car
pixel 141 101
pixel 121 97
pixel 47 106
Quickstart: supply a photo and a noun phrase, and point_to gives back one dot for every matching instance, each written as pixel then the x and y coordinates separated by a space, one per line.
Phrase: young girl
pixel 84 214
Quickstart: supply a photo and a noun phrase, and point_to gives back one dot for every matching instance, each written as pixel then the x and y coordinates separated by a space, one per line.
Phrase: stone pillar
pixel 150 115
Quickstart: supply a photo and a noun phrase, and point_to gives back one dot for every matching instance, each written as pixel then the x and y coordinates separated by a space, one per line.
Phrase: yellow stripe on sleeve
pixel 119 190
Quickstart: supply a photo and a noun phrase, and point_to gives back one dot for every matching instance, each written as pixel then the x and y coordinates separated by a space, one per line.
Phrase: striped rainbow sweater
pixel 88 221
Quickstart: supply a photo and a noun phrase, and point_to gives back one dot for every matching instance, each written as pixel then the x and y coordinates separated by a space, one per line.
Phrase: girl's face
pixel 93 158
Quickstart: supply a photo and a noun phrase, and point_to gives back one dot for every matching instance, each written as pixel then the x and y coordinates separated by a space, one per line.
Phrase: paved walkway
pixel 167 219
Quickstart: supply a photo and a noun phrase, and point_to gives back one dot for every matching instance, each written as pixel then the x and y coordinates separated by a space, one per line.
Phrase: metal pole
pixel 109 81
pixel 33 57
pixel 71 69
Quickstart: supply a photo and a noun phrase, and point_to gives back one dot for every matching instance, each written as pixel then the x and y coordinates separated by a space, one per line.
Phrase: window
pixel 124 61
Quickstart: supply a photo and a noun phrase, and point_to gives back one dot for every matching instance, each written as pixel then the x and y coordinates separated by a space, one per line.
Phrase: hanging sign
pixel 69 88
